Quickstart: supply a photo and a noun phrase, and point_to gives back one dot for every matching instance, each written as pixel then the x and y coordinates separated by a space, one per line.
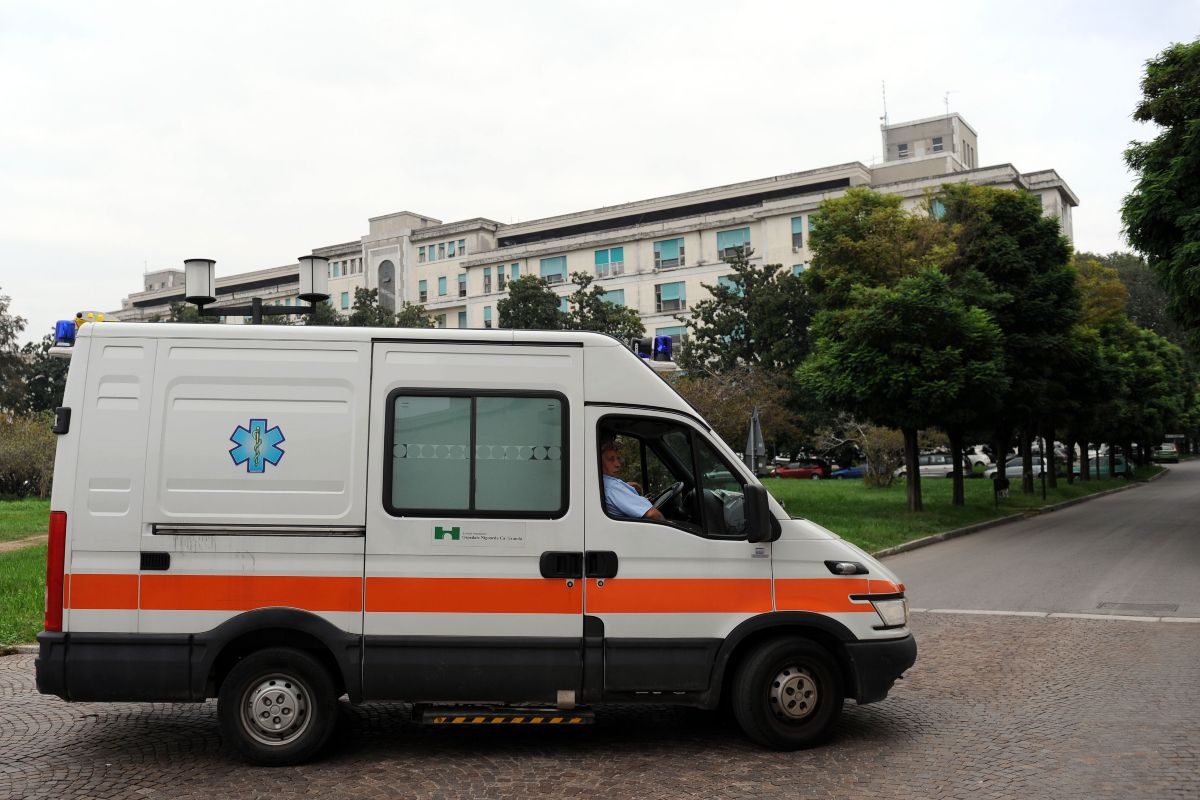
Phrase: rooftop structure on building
pixel 654 255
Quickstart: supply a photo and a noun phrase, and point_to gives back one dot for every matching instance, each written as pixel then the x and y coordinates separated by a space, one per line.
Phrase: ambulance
pixel 279 517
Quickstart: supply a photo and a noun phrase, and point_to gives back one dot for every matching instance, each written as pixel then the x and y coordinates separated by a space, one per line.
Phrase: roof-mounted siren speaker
pixel 314 279
pixel 199 281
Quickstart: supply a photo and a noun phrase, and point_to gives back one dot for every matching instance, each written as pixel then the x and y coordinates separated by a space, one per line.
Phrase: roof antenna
pixel 885 114
pixel 946 100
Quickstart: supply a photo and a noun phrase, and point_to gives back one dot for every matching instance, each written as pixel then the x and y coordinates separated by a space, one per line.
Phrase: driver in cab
pixel 623 499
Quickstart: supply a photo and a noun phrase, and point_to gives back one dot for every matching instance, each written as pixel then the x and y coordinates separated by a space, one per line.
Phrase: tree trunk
pixel 1070 461
pixel 1000 445
pixel 1027 460
pixel 912 469
pixel 1085 462
pixel 1130 462
pixel 1112 460
pixel 956 453
pixel 1050 456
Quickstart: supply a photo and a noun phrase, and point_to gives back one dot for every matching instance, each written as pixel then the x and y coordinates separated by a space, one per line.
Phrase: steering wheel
pixel 670 494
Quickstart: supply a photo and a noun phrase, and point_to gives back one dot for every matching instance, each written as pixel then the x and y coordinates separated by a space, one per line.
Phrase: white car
pixel 931 465
pixel 1015 467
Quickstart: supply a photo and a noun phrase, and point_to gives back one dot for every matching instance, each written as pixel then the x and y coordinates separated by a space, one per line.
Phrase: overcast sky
pixel 139 134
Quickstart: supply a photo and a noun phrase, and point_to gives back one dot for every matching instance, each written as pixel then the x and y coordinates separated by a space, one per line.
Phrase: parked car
pixel 931 465
pixel 805 469
pixel 1099 466
pixel 1167 453
pixel 849 472
pixel 1015 467
pixel 978 454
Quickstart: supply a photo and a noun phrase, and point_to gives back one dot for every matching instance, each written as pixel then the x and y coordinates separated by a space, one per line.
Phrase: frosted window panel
pixel 519 454
pixel 431 459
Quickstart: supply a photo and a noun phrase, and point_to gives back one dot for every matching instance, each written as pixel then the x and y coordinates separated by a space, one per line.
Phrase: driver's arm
pixel 653 513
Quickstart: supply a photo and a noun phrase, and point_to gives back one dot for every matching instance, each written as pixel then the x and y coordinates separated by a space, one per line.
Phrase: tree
pixel 590 311
pixel 186 312
pixel 45 376
pixel 1148 305
pixel 324 315
pixel 1162 213
pixel 726 399
pixel 413 315
pixel 904 356
pixel 758 317
pixel 12 366
pixel 367 312
pixel 531 304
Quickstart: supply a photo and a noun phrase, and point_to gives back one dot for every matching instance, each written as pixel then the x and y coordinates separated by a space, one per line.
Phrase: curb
pixel 995 523
pixel 18 650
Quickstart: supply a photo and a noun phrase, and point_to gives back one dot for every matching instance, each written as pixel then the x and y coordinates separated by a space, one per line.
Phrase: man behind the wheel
pixel 623 499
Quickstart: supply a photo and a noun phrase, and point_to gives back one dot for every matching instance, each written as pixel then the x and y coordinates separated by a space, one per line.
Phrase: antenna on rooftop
pixel 946 99
pixel 885 114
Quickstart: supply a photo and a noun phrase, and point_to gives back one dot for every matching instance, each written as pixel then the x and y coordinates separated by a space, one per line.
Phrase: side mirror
pixel 761 524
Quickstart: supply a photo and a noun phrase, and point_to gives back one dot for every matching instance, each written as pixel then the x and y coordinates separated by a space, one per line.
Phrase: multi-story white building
pixel 653 255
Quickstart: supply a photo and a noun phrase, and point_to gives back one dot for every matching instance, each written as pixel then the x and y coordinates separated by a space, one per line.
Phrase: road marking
pixel 1050 614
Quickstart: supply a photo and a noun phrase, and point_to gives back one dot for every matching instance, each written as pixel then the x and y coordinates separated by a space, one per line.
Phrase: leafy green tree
pixel 324 315
pixel 12 366
pixel 368 312
pixel 45 376
pixel 413 315
pixel 531 304
pixel 1148 305
pixel 758 317
pixel 726 399
pixel 1015 263
pixel 186 312
pixel 589 311
pixel 1161 213
pixel 904 356
pixel 26 455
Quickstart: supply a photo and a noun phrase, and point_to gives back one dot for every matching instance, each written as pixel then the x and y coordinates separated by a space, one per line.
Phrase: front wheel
pixel 787 694
pixel 277 707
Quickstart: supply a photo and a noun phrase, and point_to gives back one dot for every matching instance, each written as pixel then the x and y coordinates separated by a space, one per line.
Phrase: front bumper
pixel 876 665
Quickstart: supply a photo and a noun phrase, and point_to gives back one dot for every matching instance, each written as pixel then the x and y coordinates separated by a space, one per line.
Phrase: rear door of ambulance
pixel 255 480
pixel 474 521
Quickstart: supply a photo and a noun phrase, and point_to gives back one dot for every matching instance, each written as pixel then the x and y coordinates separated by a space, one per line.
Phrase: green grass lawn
pixel 20 519
pixel 878 518
pixel 22 594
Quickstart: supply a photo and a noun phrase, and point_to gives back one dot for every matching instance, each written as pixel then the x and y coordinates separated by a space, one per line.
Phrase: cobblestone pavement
pixel 996 707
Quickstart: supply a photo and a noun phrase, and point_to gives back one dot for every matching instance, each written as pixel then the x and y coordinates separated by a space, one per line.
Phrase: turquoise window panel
pixel 487 272
pixel 671 330
pixel 601 258
pixel 450 249
pixel 616 255
pixel 552 268
pixel 615 296
pixel 423 286
pixel 442 285
pixel 729 283
pixel 727 240
pixel 668 249
pixel 487 313
pixel 345 299
pixel 937 209
pixel 798 268
pixel 462 319
pixel 671 291
pixel 516 271
pixel 562 305
pixel 797 224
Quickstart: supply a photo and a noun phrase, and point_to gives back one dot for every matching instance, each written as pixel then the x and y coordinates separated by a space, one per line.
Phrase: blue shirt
pixel 623 500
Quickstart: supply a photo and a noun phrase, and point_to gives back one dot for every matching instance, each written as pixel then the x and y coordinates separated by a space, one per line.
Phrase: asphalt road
pixel 1135 553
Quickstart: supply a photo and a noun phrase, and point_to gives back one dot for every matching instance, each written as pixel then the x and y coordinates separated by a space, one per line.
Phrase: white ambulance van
pixel 278 516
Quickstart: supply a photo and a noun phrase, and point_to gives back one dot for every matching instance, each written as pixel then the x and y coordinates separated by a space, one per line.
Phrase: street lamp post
pixel 199 289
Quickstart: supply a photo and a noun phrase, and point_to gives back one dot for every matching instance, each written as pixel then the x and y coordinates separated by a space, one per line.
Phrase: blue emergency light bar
pixel 658 348
pixel 64 333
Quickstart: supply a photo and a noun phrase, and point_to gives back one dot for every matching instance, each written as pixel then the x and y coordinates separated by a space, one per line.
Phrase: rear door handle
pixel 561 564
pixel 600 564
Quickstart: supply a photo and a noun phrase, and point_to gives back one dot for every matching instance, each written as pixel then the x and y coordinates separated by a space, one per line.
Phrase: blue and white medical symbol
pixel 257 445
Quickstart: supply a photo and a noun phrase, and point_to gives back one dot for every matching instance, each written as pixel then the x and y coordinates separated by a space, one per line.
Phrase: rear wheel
pixel 787 694
pixel 815 477
pixel 277 707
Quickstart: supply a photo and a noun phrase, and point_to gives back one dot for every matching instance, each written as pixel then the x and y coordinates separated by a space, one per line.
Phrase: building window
pixel 670 296
pixel 937 144
pixel 798 268
pixel 797 233
pixel 516 271
pixel 441 250
pixel 729 283
pixel 420 255
pixel 450 249
pixel 441 320
pixel 345 300
pixel 610 262
pixel 937 209
pixel 668 253
pixel 487 316
pixel 462 247
pixel 902 150
pixel 462 319
pixel 423 291
pixel 487 280
pixel 728 242
pixel 562 305
pixel 676 332
pixel 477 455
pixel 442 286
pixel 501 278
pixel 554 270
pixel 615 296
pixel 462 285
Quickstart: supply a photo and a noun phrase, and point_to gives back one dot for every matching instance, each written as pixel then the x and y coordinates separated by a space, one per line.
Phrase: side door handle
pixel 561 564
pixel 600 564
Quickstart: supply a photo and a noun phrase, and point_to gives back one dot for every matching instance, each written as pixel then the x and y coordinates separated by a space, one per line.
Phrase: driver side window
pixel 682 474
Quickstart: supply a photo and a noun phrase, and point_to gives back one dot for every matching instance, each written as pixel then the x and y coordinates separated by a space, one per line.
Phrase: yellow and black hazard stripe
pixel 508 719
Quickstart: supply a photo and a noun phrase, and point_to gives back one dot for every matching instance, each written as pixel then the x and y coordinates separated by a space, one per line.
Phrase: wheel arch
pixel 747 636
pixel 218 650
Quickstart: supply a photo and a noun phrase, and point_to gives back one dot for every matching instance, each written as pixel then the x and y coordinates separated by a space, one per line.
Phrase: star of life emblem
pixel 257 445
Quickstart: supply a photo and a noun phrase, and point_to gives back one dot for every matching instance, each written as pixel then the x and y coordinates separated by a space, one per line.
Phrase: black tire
pixel 277 680
pixel 774 683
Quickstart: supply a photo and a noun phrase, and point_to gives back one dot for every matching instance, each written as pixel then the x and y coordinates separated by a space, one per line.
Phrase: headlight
pixel 894 613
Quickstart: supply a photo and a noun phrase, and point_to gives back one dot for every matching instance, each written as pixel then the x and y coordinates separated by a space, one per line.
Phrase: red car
pixel 808 469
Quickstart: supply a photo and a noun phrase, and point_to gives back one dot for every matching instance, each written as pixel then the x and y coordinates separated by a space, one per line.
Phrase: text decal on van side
pixel 257 445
